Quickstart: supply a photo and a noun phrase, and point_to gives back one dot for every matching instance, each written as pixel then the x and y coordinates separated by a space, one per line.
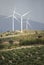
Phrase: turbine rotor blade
pixel 25 14
pixel 8 16
pixel 16 18
pixel 18 14
pixel 29 24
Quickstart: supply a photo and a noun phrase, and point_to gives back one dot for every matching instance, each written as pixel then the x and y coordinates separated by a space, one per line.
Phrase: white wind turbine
pixel 22 19
pixel 13 16
pixel 27 23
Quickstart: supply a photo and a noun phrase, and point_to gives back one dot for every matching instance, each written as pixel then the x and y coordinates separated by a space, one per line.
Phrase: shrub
pixel 11 41
pixel 1 46
pixel 39 36
pixel 1 35
pixel 1 41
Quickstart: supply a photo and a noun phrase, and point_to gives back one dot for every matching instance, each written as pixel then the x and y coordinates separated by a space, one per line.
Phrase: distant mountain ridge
pixel 6 24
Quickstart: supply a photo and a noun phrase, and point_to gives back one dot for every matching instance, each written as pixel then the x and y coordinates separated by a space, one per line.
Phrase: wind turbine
pixel 13 16
pixel 22 19
pixel 27 23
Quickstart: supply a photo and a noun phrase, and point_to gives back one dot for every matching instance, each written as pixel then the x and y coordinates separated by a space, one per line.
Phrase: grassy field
pixel 14 39
pixel 23 56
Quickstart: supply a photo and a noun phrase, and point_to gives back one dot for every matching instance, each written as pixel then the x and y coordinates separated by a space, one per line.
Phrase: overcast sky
pixel 35 6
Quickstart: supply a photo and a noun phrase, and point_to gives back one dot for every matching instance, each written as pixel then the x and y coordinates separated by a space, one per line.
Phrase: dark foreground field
pixel 23 56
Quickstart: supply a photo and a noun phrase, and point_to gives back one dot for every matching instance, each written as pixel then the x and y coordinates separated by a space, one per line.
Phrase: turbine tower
pixel 13 22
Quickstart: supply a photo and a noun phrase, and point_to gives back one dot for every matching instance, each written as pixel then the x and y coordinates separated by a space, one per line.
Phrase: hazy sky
pixel 35 6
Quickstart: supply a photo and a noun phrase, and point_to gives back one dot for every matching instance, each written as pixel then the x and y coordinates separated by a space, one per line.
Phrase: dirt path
pixel 21 47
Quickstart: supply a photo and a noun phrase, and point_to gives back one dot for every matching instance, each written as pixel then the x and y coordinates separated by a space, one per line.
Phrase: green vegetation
pixel 31 42
pixel 11 42
pixel 24 56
